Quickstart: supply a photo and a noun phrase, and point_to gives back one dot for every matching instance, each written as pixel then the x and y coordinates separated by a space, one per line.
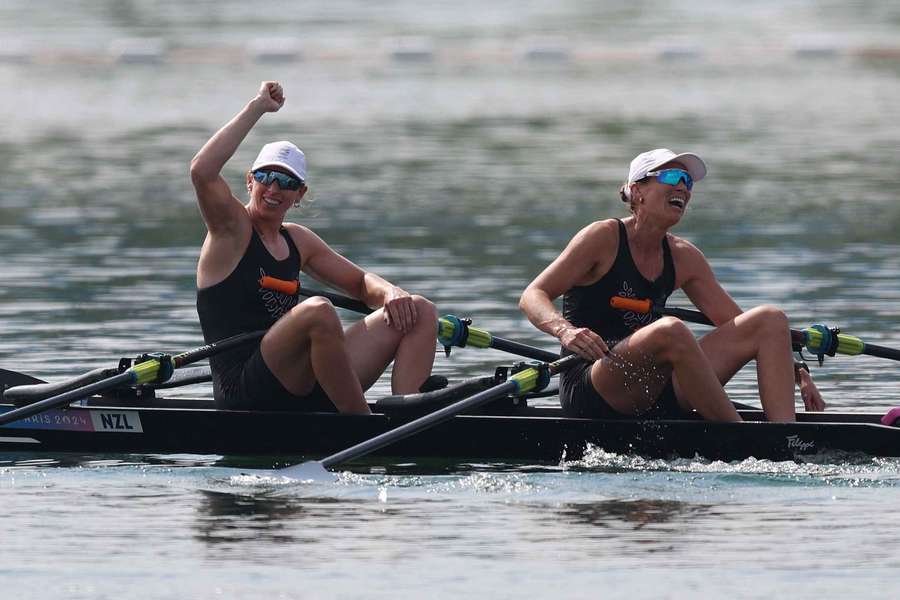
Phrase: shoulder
pixel 598 234
pixel 690 262
pixel 301 235
pixel 591 253
pixel 683 249
pixel 604 227
pixel 308 243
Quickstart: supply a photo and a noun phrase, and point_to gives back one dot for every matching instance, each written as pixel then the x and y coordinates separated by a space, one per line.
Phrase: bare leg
pixel 761 333
pixel 635 373
pixel 372 345
pixel 307 345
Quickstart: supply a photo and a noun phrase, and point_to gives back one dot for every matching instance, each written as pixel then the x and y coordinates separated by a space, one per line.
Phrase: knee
pixel 672 335
pixel 768 318
pixel 426 311
pixel 316 315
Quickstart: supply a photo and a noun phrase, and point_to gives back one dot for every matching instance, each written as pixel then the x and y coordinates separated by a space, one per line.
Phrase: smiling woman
pixel 647 367
pixel 303 362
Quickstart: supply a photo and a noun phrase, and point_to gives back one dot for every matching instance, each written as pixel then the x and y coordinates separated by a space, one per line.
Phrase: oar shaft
pixel 522 349
pixel 519 383
pixel 693 316
pixel 846 344
pixel 338 300
pixel 811 338
pixel 122 379
pixel 408 429
pixel 882 352
pixel 478 337
pixel 147 371
pixel 203 352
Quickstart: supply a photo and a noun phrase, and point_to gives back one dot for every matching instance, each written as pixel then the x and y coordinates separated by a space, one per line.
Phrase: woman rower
pixel 656 368
pixel 306 361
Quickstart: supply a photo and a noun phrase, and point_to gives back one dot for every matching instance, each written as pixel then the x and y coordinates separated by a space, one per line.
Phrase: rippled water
pixel 454 148
pixel 620 525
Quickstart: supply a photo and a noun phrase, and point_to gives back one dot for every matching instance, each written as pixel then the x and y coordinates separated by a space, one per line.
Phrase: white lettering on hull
pixel 795 444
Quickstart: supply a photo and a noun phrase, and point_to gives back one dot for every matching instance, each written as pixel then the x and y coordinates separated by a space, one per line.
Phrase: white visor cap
pixel 282 154
pixel 652 160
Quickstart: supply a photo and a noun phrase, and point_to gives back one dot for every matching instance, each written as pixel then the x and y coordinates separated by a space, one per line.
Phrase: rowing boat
pixel 521 429
pixel 501 417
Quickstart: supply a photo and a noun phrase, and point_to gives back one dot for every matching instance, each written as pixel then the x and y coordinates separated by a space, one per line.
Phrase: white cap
pixel 649 161
pixel 282 154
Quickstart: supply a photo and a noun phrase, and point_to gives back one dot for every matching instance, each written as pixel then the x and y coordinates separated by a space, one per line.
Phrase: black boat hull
pixel 531 434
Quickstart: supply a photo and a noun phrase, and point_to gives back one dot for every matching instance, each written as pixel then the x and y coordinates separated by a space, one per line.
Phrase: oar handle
pixel 293 288
pixel 643 307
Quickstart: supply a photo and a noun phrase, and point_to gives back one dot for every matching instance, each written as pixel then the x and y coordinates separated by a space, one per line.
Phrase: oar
pixel 155 368
pixel 452 331
pixel 10 379
pixel 527 380
pixel 818 339
pixel 292 288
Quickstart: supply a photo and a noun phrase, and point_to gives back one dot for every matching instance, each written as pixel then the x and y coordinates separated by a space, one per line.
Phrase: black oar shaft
pixel 882 352
pixel 523 350
pixel 338 300
pixel 122 379
pixel 448 412
pixel 693 316
pixel 846 344
pixel 497 343
pixel 144 372
pixel 408 429
pixel 799 338
pixel 203 352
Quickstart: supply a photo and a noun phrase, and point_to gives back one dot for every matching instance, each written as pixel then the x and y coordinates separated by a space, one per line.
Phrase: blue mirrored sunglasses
pixel 285 182
pixel 673 176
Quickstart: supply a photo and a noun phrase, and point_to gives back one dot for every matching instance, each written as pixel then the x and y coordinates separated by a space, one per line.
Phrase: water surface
pixel 454 149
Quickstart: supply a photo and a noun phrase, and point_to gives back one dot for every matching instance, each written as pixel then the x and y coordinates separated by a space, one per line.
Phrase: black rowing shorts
pixel 579 398
pixel 257 388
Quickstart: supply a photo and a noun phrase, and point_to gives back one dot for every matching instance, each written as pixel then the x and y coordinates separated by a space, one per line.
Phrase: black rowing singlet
pixel 238 304
pixel 588 306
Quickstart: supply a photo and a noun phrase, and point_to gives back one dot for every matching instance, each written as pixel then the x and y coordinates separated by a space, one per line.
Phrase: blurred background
pixel 454 148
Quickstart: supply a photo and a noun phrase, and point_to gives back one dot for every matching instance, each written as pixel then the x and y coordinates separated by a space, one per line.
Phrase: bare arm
pixel 707 294
pixel 324 264
pixel 701 286
pixel 588 256
pixel 221 210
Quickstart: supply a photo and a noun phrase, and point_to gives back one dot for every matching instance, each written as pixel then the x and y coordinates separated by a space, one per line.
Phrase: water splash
pixel 838 469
